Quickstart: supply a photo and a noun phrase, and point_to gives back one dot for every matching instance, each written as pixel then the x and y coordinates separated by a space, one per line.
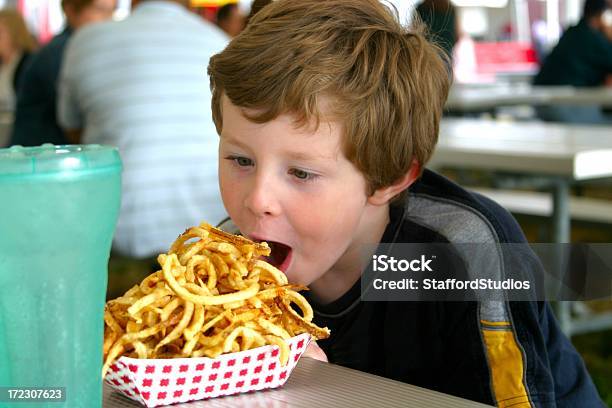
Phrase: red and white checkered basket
pixel 154 382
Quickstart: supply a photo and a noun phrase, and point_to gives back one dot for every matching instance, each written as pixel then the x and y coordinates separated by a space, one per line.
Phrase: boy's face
pixel 294 189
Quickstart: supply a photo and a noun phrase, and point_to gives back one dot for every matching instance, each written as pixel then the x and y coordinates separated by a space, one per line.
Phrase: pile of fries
pixel 213 295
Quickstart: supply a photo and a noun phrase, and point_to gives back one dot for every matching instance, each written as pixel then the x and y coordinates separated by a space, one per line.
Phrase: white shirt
pixel 141 85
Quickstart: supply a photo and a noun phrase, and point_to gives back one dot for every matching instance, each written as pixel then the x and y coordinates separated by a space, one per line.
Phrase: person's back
pixel 583 57
pixel 140 84
pixel 35 111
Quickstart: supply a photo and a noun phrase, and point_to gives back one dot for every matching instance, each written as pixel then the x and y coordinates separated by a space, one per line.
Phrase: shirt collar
pixel 159 5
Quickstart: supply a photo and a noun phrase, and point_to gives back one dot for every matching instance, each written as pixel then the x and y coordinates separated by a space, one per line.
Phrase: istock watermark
pixel 516 272
pixel 384 263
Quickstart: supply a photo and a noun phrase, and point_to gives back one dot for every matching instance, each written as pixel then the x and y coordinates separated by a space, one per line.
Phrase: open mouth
pixel 280 255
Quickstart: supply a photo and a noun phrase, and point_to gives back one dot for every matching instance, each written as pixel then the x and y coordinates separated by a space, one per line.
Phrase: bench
pixel 540 204
pixel 583 209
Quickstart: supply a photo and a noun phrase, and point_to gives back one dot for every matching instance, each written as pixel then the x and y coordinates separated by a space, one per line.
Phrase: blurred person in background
pixel 36 112
pixel 582 58
pixel 16 46
pixel 441 19
pixel 140 84
pixel 230 19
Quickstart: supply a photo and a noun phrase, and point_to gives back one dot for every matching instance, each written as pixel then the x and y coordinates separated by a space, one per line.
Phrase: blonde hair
pixel 386 84
pixel 21 37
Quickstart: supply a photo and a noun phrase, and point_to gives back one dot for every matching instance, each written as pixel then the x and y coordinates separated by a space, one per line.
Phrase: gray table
pixel 474 98
pixel 558 153
pixel 317 384
pixel 553 154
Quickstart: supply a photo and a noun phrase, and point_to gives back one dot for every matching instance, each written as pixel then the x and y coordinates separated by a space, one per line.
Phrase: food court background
pixel 500 42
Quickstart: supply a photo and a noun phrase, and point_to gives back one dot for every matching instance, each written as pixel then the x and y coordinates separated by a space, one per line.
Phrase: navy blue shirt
pixel 35 114
pixel 583 57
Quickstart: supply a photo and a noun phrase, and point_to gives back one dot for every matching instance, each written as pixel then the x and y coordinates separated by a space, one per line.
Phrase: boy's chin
pixel 294 277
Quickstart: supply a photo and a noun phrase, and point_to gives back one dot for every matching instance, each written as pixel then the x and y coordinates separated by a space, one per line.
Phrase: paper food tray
pixel 154 382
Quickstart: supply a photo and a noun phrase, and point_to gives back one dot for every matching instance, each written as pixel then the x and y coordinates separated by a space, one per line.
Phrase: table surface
pixel 484 97
pixel 574 152
pixel 314 383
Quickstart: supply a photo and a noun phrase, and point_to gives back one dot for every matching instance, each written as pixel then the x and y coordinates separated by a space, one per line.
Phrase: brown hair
pixel 21 37
pixel 387 84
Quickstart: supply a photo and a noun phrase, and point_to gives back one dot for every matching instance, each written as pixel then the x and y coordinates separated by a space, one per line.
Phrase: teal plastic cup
pixel 58 211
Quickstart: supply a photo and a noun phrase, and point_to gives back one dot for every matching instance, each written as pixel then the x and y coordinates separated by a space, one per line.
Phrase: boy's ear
pixel 383 195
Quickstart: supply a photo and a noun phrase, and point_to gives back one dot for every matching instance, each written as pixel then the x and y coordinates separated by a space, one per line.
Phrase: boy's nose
pixel 261 200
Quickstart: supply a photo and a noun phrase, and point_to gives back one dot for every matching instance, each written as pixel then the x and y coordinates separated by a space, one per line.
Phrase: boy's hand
pixel 314 351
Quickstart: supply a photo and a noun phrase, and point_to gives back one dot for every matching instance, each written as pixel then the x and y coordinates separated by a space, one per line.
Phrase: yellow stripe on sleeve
pixel 506 365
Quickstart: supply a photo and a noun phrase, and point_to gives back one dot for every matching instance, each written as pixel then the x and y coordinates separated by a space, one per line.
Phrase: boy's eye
pixel 241 161
pixel 302 175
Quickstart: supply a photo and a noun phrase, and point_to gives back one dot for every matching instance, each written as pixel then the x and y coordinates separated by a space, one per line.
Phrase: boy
pixel 327 113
